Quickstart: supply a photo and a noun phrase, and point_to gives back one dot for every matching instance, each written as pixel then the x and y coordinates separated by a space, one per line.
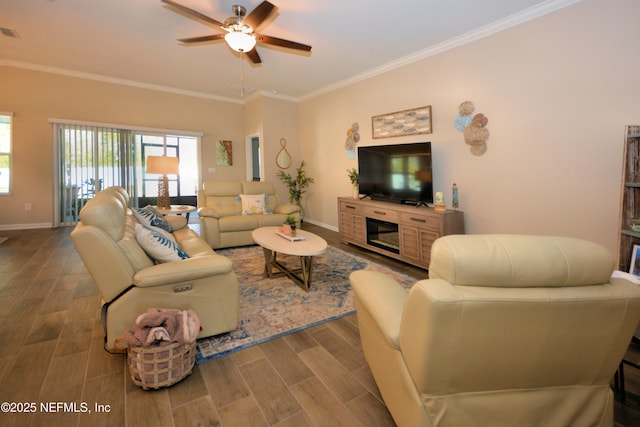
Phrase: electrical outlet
pixel 28 207
pixel 211 170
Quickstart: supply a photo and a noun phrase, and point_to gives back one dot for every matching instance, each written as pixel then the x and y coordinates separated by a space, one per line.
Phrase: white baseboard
pixel 25 226
pixel 320 224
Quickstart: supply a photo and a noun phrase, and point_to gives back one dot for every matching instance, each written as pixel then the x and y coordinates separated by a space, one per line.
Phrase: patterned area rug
pixel 271 308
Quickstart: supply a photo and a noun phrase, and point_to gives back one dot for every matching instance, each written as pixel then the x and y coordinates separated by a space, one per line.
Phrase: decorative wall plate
pixel 461 121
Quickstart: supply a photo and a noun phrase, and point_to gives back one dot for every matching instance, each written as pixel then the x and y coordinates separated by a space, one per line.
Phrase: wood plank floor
pixel 51 353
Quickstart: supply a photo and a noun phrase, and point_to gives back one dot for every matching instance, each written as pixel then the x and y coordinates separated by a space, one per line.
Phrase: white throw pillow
pixel 165 233
pixel 253 204
pixel 158 246
pixel 149 216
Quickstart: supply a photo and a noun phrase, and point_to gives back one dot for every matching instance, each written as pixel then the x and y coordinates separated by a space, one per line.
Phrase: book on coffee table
pixel 290 238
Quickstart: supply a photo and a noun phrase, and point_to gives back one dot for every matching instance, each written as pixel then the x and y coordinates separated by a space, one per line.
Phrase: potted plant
pixel 353 177
pixel 289 225
pixel 297 185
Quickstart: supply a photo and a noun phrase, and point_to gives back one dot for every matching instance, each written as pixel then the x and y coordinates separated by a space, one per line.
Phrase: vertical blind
pixel 91 158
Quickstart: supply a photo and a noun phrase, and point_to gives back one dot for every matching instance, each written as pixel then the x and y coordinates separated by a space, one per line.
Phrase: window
pixel 185 148
pixel 5 153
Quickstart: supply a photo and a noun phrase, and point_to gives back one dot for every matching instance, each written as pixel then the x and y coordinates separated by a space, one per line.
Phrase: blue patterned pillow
pixel 158 246
pixel 149 216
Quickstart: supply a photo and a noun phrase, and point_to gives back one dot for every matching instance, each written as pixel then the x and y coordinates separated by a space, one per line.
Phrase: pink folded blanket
pixel 161 326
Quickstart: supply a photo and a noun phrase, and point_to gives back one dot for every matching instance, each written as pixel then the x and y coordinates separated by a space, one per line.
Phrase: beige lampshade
pixel 162 165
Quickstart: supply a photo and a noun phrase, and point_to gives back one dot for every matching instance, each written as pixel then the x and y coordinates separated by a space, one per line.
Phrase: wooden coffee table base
pixel 301 276
pixel 305 249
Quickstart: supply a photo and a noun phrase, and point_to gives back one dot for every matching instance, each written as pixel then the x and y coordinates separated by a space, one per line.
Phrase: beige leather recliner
pixel 507 331
pixel 130 282
pixel 220 210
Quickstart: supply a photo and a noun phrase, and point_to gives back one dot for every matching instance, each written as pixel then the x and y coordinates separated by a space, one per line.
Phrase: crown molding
pixel 466 38
pixel 275 95
pixel 113 80
pixel 469 37
pixel 141 85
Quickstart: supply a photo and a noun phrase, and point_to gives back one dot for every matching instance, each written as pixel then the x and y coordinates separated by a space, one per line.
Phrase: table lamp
pixel 163 166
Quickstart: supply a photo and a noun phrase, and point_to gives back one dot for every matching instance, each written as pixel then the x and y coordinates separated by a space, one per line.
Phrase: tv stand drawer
pixel 381 213
pixel 351 207
pixel 418 220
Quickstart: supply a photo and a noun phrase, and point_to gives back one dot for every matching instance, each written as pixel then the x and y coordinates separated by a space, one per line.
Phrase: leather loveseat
pixel 226 220
pixel 507 331
pixel 130 281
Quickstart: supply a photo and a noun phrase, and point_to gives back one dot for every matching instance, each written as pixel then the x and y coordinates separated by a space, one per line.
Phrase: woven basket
pixel 160 366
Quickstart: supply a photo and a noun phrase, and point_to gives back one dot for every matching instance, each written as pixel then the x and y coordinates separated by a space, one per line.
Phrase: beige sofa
pixel 224 224
pixel 507 331
pixel 130 281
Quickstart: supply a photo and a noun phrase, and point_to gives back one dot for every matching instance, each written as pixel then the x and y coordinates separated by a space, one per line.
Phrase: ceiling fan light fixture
pixel 240 29
pixel 239 41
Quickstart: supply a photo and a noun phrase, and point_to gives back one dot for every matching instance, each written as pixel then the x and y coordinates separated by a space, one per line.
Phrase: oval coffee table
pixel 272 244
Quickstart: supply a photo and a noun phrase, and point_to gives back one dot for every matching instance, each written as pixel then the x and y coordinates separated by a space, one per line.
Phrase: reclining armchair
pixel 130 281
pixel 508 330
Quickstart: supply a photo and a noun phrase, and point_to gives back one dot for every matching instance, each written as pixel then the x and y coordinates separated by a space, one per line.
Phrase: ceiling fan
pixel 239 29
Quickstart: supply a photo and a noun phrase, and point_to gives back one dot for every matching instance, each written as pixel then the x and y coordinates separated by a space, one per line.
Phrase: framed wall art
pixel 224 153
pixel 402 123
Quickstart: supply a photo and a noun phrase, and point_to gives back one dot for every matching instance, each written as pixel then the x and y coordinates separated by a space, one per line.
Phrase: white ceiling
pixel 134 41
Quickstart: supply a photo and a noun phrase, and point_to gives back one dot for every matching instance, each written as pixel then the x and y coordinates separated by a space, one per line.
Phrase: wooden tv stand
pixel 402 232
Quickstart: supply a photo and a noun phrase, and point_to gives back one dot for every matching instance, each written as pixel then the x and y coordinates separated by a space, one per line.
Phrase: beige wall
pixel 280 121
pixel 35 97
pixel 273 119
pixel 558 92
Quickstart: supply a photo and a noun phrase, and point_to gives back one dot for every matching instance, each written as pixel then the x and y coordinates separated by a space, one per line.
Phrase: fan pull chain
pixel 242 75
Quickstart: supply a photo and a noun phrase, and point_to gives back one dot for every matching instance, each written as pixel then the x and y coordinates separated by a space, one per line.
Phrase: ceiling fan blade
pixel 259 14
pixel 260 38
pixel 193 14
pixel 253 56
pixel 200 39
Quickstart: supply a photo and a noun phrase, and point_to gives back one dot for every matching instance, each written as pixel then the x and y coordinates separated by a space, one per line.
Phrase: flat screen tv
pixel 399 173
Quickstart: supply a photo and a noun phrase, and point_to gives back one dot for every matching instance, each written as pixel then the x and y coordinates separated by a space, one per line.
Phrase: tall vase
pixel 299 203
pixel 355 191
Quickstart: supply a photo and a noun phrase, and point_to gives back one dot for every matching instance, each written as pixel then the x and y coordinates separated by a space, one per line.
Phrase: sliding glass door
pixel 90 158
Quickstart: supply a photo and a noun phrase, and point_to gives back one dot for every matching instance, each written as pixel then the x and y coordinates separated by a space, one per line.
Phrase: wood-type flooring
pixel 51 355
